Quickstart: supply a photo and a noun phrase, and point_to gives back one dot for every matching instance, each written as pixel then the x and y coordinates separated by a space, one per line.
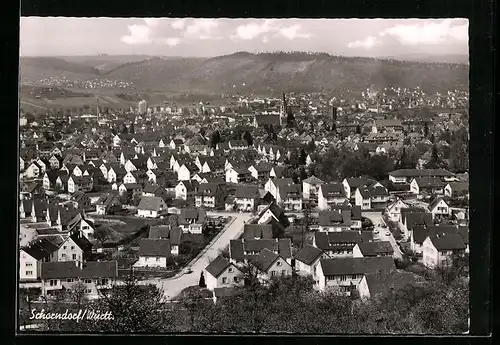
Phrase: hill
pixel 261 73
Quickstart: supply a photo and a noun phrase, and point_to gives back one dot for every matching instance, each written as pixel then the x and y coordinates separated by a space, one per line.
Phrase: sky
pixel 63 36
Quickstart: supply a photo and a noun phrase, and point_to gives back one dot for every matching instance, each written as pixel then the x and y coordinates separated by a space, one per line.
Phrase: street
pixel 378 224
pixel 173 286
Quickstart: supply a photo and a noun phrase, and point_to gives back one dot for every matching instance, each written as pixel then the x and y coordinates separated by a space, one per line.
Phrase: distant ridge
pixel 255 72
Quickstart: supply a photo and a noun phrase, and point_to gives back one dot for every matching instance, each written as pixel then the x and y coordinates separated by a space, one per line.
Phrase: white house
pixel 307 260
pixel 393 210
pixel 439 249
pixel 153 252
pixel 151 207
pixel 439 207
pixel 271 265
pixel 222 273
pixel 330 195
pixel 310 188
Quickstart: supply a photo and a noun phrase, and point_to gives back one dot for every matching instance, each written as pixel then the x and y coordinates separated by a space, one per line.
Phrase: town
pixel 354 195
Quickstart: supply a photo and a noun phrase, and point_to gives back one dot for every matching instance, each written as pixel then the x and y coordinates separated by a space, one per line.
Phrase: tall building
pixel 143 107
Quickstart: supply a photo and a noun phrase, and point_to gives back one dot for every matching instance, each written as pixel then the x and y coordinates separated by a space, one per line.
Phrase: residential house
pixel 290 196
pixel 238 175
pixel 371 197
pixel 422 186
pixel 153 252
pixel 80 183
pixel 257 231
pixel 186 190
pixel 438 250
pixel 185 171
pixel 136 176
pixel 330 195
pixel 340 243
pixel 345 274
pixel 245 250
pixel 222 273
pixel 108 203
pixel 246 198
pixel 93 275
pixel 192 220
pixel 351 184
pixel 457 189
pixel 260 171
pixel 420 233
pixel 82 200
pixel 209 195
pixel 271 265
pixel 334 220
pixel 273 184
pixel 32 256
pixel 407 175
pixel 116 173
pixel 76 247
pixel 393 210
pixel 33 170
pixel 380 284
pixel 411 217
pixel 174 234
pixel 307 260
pixel 310 188
pixel 130 189
pixel 151 207
pixel 372 249
pixel 439 208
pixel 352 212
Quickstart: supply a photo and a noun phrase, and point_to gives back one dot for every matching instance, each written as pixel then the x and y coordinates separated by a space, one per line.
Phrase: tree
pixel 311 146
pixel 102 233
pixel 124 129
pixel 358 129
pixel 77 294
pixel 435 162
pixel 215 138
pixel 459 151
pixel 290 119
pixel 202 281
pixel 248 137
pixel 426 129
pixel 132 129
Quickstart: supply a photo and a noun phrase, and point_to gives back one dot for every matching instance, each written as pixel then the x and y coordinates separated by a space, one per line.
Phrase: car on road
pixel 375 231
pixel 388 233
pixel 189 271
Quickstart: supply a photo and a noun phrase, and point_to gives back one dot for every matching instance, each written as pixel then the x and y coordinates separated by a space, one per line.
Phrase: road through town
pixel 378 224
pixel 173 286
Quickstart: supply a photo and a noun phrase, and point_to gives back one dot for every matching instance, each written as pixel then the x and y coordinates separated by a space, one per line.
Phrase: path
pixel 173 286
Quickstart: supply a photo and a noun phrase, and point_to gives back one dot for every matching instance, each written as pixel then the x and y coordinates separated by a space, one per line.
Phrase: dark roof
pixel 40 248
pixel 356 182
pixel 69 269
pixel 151 188
pixel 464 232
pixel 192 213
pixel 354 210
pixel 154 247
pixel 351 266
pixel 421 173
pixel 435 202
pixel 166 232
pixel 247 192
pixel 313 180
pixel 417 218
pixel 238 248
pixel 265 259
pixel 331 240
pixel 151 203
pixel 429 182
pixel 332 189
pixel 108 199
pixel 218 266
pixel 374 248
pixel 448 241
pixel 308 254
pixel 252 231
pixel 459 186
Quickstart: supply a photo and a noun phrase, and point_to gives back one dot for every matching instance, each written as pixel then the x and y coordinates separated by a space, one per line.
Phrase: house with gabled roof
pixel 427 186
pixel 185 190
pixel 76 247
pixel 439 208
pixel 271 265
pixel 257 231
pixel 345 274
pixel 372 249
pixel 273 184
pixel 331 194
pixel 260 171
pixel 108 203
pixel 310 188
pixel 438 249
pixel 379 284
pixel 246 198
pixel 153 252
pixel 209 195
pixel 151 207
pixel 371 197
pixel 31 257
pixel 457 189
pixel 174 234
pixel 244 250
pixel 238 175
pixel 393 210
pixel 307 260
pixel 192 220
pixel 352 183
pixel 340 243
pixel 407 175
pixel 411 217
pixel 222 273
pixel 290 196
pixel 93 275
pixel 80 183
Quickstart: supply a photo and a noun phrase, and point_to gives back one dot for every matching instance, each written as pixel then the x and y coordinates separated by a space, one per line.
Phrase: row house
pixel 330 195
pixel 345 274
pixel 209 195
pixel 372 249
pixel 340 243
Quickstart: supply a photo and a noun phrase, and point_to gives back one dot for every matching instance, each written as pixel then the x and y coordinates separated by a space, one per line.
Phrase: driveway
pixel 173 286
pixel 378 222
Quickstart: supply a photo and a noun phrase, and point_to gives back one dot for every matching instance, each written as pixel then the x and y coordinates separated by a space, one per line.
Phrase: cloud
pixel 429 32
pixel 202 29
pixel 171 41
pixel 138 34
pixel 268 27
pixel 366 43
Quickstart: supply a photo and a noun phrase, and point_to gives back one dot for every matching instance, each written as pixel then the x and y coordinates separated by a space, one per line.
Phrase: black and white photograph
pixel 243 176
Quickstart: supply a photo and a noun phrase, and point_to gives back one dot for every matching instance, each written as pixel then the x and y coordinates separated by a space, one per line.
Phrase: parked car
pixel 388 233
pixel 375 231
